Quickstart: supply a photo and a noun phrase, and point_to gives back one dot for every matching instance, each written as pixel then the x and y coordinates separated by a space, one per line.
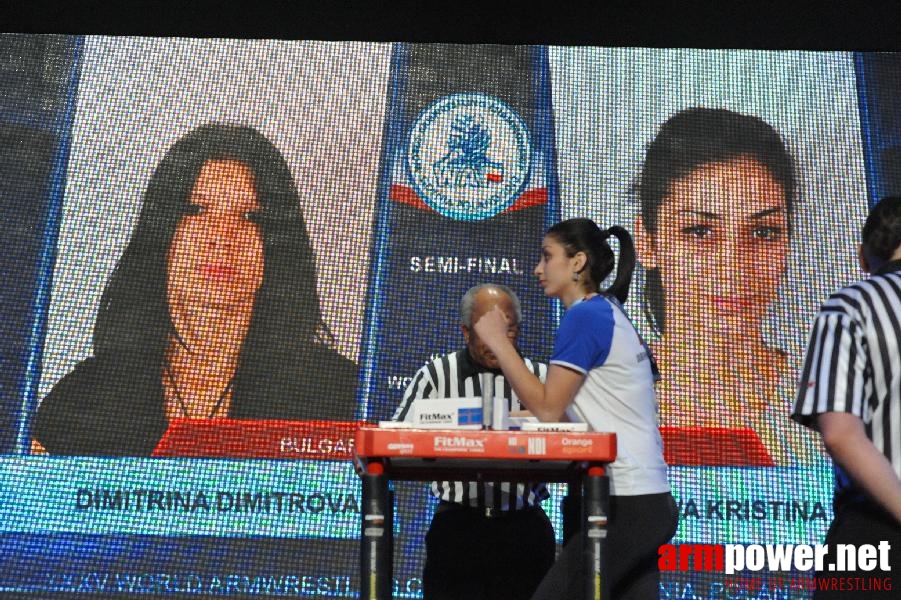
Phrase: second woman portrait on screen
pixel 211 312
pixel 718 194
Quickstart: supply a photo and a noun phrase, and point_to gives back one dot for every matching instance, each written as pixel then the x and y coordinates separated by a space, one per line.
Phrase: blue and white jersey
pixel 597 339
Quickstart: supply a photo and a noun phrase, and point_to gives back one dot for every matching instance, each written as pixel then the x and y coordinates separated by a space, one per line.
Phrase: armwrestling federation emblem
pixel 468 156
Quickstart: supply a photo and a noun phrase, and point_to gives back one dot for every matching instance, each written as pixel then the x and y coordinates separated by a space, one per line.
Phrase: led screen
pixel 222 255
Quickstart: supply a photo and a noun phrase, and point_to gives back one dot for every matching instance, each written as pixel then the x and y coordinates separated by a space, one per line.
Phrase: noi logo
pixel 732 558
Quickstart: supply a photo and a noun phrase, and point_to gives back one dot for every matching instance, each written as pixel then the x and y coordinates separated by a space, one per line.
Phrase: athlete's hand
pixel 493 327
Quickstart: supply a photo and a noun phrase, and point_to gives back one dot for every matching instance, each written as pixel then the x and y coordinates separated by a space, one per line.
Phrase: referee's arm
pixel 849 446
pixel 832 398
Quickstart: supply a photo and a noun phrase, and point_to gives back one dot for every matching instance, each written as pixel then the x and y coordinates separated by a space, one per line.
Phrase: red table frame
pixel 578 459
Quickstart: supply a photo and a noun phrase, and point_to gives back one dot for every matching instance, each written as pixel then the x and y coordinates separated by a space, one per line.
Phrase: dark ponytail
pixel 620 286
pixel 583 235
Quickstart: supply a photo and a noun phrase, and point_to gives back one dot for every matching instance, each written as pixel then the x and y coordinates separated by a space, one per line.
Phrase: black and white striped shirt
pixel 853 363
pixel 458 375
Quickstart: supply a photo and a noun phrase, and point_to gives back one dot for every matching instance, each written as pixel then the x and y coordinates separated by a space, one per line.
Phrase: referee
pixel 850 389
pixel 486 540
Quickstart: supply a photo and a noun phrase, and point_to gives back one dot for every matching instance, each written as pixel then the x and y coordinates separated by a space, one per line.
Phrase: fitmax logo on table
pixel 459 444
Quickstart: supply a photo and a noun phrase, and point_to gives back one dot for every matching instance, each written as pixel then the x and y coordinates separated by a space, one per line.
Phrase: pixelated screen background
pixel 86 122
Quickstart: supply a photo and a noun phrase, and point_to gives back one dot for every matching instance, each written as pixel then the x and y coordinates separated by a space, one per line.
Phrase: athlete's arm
pixel 547 401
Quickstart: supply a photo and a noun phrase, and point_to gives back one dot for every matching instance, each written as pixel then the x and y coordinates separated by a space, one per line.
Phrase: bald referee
pixel 850 390
pixel 487 540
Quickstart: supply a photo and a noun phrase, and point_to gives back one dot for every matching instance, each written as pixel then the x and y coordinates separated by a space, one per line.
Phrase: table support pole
pixel 595 489
pixel 376 543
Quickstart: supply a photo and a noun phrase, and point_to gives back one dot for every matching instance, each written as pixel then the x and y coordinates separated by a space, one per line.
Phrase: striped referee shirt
pixel 853 363
pixel 458 375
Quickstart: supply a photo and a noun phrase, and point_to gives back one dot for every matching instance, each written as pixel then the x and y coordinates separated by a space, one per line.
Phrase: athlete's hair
pixel 583 235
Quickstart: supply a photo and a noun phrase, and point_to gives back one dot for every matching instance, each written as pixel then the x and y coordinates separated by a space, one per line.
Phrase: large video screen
pixel 223 255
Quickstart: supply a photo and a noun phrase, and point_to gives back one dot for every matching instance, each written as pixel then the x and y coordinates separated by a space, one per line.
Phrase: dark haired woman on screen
pixel 717 194
pixel 211 312
pixel 602 373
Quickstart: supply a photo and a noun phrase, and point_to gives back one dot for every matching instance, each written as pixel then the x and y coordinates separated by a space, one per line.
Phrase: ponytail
pixel 626 265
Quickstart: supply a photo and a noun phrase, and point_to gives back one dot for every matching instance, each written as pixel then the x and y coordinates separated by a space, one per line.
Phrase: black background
pixel 765 24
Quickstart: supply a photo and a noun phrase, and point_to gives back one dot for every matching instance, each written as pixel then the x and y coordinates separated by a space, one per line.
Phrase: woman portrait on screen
pixel 211 312
pixel 717 194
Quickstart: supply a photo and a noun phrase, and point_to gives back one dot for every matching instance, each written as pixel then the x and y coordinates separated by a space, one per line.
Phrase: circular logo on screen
pixel 468 156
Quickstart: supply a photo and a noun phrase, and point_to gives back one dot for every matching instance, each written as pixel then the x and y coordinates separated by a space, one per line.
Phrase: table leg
pixel 376 535
pixel 595 502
